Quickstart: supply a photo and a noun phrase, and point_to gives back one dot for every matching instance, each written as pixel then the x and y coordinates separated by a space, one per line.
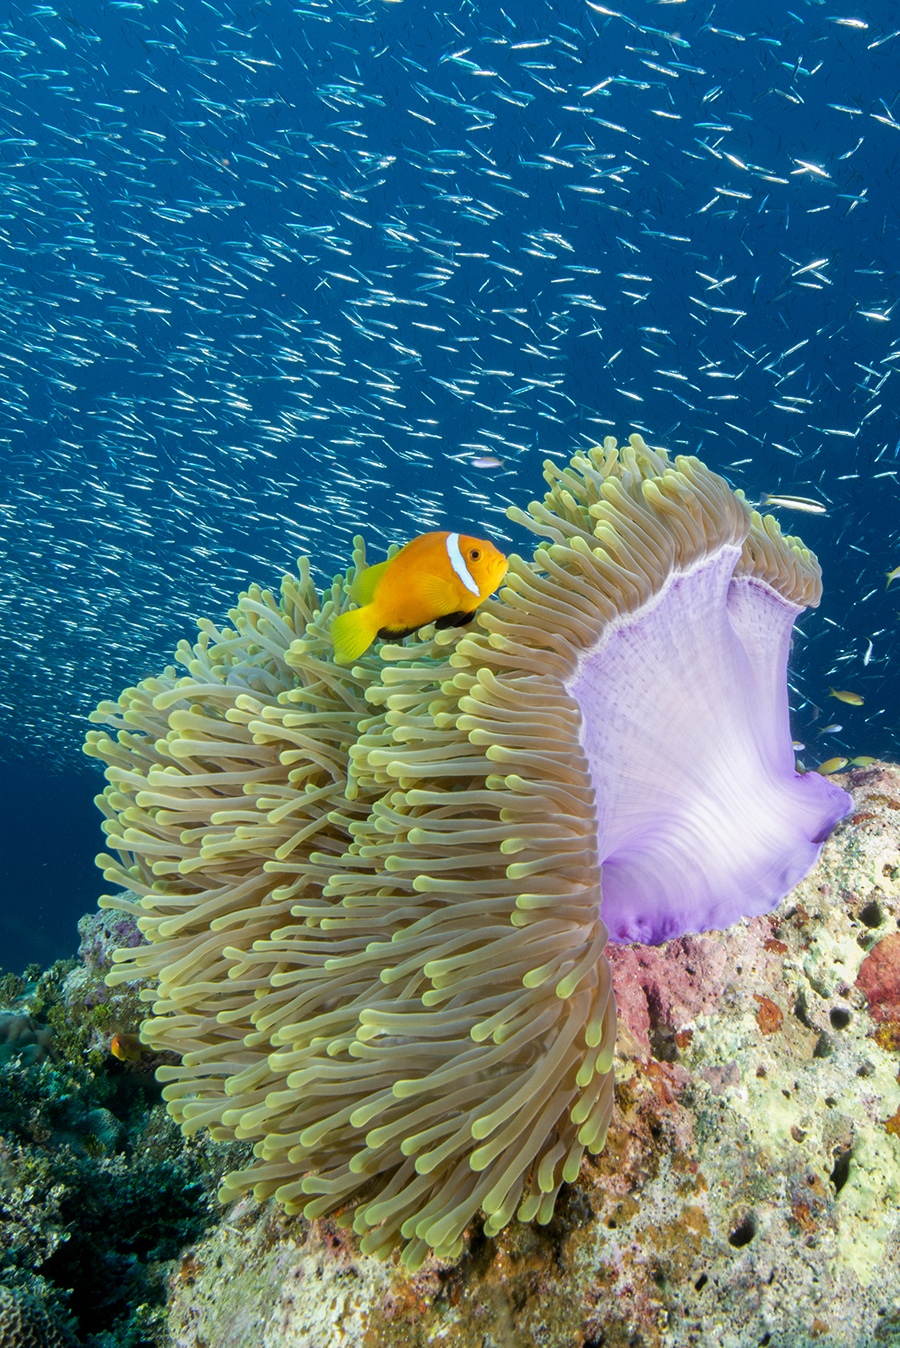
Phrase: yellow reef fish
pixel 862 761
pixel 852 699
pixel 892 575
pixel 437 578
pixel 832 765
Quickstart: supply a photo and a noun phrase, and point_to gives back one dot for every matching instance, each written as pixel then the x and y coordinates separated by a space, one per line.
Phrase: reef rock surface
pixel 749 1192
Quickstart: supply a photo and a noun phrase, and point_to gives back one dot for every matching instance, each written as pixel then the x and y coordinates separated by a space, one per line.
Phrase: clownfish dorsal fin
pixel 362 589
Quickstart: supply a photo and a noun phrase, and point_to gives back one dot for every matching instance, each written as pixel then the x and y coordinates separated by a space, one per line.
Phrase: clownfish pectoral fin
pixel 458 619
pixel 439 595
pixel 362 590
pixel 352 634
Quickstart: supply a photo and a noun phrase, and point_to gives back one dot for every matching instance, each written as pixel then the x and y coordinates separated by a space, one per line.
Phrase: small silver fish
pixel 793 503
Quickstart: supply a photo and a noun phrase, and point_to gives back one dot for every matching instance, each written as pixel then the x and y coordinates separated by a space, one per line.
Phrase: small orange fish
pixel 852 699
pixel 126 1047
pixel 437 578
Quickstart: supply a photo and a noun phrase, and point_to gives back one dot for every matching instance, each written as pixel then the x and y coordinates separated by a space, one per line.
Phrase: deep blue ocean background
pixel 275 274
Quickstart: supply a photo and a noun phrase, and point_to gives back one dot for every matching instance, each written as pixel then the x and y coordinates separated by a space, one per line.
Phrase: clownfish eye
pixel 474 554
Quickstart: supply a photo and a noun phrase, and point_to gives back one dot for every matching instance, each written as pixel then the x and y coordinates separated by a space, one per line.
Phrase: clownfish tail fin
pixel 352 634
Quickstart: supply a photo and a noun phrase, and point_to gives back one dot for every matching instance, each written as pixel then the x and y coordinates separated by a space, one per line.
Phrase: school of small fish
pixel 273 277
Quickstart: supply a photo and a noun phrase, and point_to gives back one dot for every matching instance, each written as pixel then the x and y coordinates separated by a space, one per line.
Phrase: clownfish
pixel 437 578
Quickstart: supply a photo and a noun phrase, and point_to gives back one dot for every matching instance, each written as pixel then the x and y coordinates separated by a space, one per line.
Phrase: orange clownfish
pixel 437 578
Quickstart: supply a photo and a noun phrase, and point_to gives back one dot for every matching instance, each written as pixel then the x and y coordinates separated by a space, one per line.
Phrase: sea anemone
pixel 372 896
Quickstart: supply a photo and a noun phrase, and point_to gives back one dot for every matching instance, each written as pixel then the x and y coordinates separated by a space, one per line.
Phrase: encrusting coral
pixel 372 895
pixel 26 1324
pixel 23 1037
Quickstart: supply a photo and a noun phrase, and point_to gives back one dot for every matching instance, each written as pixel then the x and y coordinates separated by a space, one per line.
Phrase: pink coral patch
pixel 879 979
pixel 666 985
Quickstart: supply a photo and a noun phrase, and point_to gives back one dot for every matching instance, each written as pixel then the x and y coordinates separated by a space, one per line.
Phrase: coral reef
pixel 24 1038
pixel 749 1191
pixel 879 979
pixel 24 1323
pixel 97 1187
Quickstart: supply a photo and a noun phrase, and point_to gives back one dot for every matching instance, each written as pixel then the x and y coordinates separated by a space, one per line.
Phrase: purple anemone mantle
pixel 702 817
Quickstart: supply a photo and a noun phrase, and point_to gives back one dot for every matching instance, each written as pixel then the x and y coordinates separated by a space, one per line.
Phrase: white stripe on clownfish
pixel 458 563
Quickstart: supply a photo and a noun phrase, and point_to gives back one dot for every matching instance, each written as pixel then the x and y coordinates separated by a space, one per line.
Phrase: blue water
pixel 272 275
